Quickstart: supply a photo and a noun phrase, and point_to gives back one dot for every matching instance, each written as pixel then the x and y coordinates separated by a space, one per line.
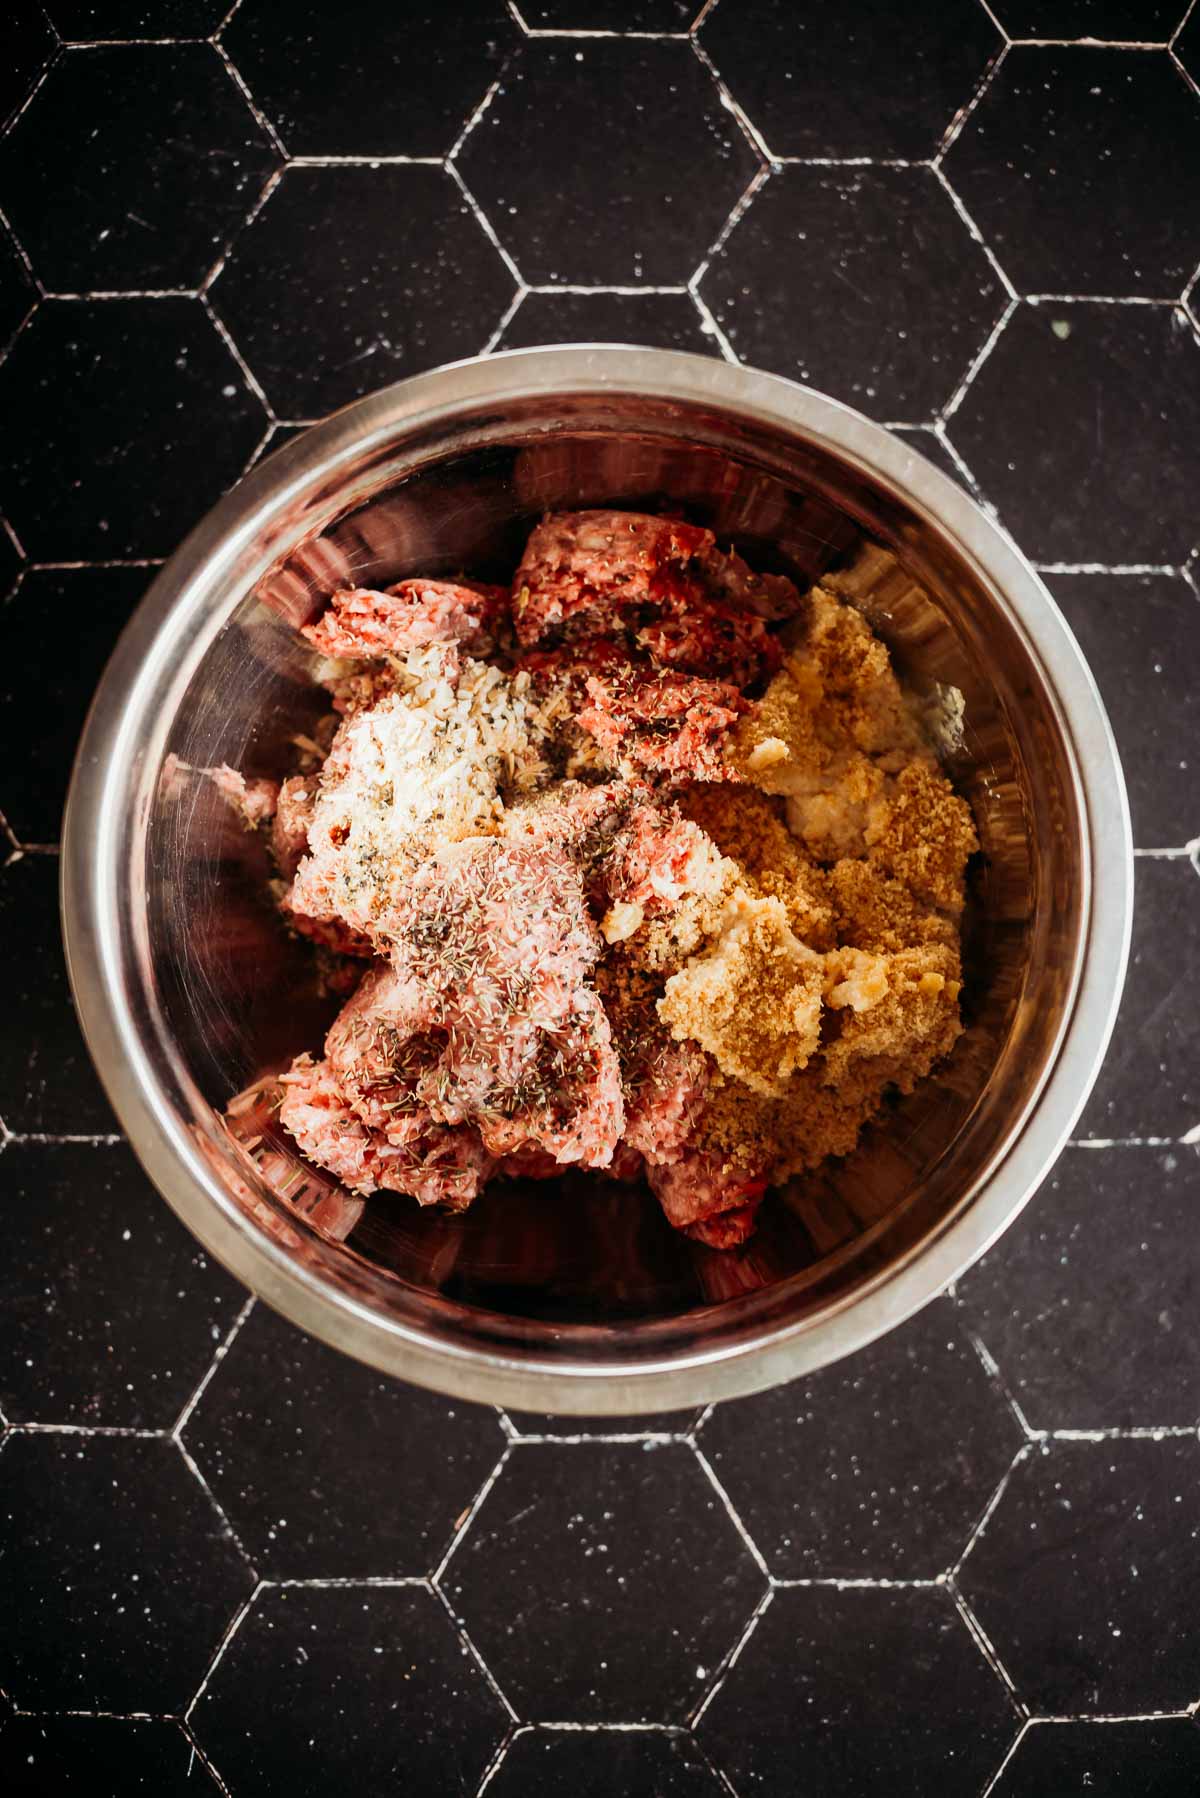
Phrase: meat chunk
pixel 677 725
pixel 598 568
pixel 701 1191
pixel 597 565
pixel 436 1166
pixel 361 621
pixel 289 829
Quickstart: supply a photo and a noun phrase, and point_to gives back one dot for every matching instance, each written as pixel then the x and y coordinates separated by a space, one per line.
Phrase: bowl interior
pixel 578 1272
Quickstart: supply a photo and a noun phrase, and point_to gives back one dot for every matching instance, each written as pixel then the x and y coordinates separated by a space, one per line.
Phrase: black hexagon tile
pixel 131 166
pixel 28 46
pixel 47 1082
pixel 863 282
pixel 1079 165
pixel 369 80
pixel 1087 1576
pixel 339 1688
pixel 351 276
pixel 82 1757
pixel 886 82
pixel 1081 426
pixel 600 1763
pixel 665 321
pixel 111 1311
pixel 17 292
pixel 91 604
pixel 1111 1234
pixel 1155 1758
pixel 1150 1082
pixel 609 15
pixel 120 1569
pixel 88 19
pixel 878 1466
pixel 648 163
pixel 603 1581
pixel 137 419
pixel 866 1692
pixel 1126 21
pixel 314 1458
pixel 1139 634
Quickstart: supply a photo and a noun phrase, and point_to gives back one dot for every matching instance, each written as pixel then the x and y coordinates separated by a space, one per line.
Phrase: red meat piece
pixel 361 621
pixel 599 564
pixel 702 638
pixel 670 724
pixel 289 830
pixel 699 1189
pixel 437 1166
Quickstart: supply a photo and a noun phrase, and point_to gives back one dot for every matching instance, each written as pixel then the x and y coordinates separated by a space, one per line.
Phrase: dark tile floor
pixel 966 1561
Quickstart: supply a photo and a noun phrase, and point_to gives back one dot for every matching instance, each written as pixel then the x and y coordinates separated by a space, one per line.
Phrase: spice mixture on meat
pixel 646 866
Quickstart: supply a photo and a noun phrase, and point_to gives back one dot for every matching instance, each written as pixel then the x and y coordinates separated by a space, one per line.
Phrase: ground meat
pixel 701 1188
pixel 661 889
pixel 289 829
pixel 599 565
pixel 604 567
pixel 435 1166
pixel 363 622
pixel 677 725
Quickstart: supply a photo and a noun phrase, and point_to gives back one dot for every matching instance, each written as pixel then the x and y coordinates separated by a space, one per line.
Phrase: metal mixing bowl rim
pixel 170 623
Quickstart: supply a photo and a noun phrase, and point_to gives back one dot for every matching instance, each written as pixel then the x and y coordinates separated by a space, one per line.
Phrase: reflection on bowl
pixel 575 1294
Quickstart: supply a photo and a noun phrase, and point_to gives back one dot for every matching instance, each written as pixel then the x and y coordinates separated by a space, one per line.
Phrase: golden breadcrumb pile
pixel 835 972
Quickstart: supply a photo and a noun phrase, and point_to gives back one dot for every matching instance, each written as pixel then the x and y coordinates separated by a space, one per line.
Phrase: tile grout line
pixel 239 81
pixel 740 207
pixel 711 327
pixel 201 1754
pixel 956 200
pixel 752 1547
pixel 994 1781
pixel 992 339
pixel 219 1355
pixel 472 1511
pixel 986 1647
pixel 498 1755
pixel 231 1630
pixel 248 375
pixel 954 129
pixel 730 1660
pixel 741 118
pixel 503 322
pixel 485 223
pixel 201 1480
pixel 461 1631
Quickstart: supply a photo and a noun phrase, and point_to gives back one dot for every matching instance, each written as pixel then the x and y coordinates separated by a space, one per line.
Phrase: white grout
pixel 461 1533
pixel 222 1350
pixel 957 202
pixel 455 174
pixel 461 1631
pixel 987 1649
pixel 231 1629
pixel 981 356
pixel 751 1546
pixel 745 124
pixel 260 118
pixel 248 375
pixel 954 128
pixel 730 1660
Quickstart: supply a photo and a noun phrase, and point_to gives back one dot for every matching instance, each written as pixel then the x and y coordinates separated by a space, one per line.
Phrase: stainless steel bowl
pixel 576 1298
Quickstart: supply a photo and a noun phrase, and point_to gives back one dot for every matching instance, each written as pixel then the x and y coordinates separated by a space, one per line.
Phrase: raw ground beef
pixel 652 864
